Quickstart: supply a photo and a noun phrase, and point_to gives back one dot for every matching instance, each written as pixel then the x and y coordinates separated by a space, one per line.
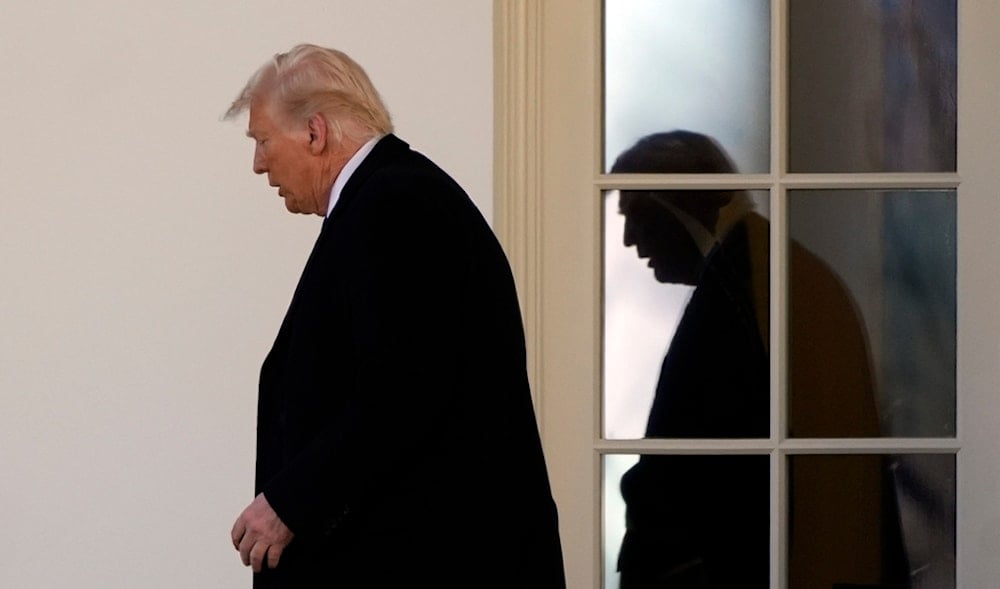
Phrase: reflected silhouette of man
pixel 703 521
pixel 696 521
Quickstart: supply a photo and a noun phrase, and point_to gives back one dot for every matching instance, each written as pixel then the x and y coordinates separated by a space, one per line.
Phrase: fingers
pixel 238 531
pixel 245 547
pixel 273 555
pixel 257 554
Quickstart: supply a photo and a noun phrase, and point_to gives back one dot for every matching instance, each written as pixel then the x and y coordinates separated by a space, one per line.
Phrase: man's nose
pixel 259 164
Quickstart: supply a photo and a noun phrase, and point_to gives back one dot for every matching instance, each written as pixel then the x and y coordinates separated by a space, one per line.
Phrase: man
pixel 697 521
pixel 396 440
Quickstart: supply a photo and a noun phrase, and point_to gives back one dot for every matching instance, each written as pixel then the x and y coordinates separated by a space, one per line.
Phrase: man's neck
pixel 357 156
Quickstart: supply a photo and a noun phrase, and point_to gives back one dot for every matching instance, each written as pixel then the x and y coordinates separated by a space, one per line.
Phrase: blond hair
pixel 309 80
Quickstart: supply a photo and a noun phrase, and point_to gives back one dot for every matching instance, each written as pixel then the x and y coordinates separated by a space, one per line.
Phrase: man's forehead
pixel 265 117
pixel 259 117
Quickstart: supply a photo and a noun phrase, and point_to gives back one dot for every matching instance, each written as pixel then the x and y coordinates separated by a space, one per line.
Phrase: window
pixel 865 198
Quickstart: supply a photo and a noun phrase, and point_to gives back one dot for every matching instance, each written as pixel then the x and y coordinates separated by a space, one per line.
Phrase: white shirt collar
pixel 349 168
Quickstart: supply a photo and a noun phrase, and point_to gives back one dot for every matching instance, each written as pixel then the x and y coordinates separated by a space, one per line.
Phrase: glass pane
pixel 702 66
pixel 686 521
pixel 686 314
pixel 872 86
pixel 872 521
pixel 872 313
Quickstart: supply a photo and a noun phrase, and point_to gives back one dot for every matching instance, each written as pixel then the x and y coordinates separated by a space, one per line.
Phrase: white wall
pixel 145 270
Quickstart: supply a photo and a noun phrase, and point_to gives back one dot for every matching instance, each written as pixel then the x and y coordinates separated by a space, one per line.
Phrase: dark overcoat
pixel 396 435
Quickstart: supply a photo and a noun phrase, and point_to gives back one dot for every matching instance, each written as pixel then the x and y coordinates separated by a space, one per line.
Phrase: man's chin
pixel 666 276
pixel 294 208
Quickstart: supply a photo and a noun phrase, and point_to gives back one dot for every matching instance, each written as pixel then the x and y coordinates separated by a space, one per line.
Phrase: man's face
pixel 661 238
pixel 283 152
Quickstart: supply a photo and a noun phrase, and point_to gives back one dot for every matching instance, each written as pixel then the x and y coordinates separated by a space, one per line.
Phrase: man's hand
pixel 259 533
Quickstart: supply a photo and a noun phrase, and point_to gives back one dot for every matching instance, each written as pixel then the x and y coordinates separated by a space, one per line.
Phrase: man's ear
pixel 318 134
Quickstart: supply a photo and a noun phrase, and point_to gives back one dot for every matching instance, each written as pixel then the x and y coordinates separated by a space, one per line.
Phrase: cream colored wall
pixel 144 270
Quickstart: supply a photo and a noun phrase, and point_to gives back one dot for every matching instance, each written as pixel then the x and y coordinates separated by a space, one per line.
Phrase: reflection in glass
pixel 684 524
pixel 690 521
pixel 872 521
pixel 678 64
pixel 703 299
pixel 877 276
pixel 872 86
